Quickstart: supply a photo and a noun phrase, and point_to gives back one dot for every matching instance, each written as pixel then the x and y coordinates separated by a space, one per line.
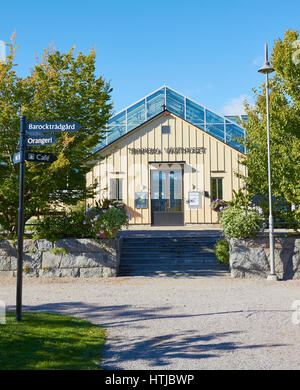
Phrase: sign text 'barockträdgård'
pixel 52 126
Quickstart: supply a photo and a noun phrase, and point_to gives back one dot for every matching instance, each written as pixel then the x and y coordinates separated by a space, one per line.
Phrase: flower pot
pixel 102 235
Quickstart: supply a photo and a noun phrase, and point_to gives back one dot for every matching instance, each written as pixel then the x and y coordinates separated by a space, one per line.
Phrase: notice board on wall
pixel 141 200
pixel 195 199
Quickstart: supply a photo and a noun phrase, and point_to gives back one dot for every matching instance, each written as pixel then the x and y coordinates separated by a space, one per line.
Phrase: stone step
pixel 143 241
pixel 167 266
pixel 178 272
pixel 169 246
pixel 166 252
pixel 187 255
pixel 171 259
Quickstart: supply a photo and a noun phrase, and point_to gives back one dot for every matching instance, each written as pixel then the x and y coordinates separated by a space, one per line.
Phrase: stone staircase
pixel 170 255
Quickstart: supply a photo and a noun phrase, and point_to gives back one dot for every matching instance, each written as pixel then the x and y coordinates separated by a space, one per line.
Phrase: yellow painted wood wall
pixel 219 160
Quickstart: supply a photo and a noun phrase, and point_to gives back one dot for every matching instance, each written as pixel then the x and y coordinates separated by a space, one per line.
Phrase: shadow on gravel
pixel 122 315
pixel 157 351
pixel 162 350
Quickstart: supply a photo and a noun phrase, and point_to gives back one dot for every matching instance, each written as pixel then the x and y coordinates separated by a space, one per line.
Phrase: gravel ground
pixel 178 323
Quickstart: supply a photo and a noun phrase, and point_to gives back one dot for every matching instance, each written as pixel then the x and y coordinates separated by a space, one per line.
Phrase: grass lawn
pixel 43 341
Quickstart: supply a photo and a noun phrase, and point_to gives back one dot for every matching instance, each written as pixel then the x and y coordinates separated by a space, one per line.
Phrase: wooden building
pixel 167 157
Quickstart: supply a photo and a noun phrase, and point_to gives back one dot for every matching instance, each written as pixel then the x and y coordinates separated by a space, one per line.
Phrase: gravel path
pixel 183 323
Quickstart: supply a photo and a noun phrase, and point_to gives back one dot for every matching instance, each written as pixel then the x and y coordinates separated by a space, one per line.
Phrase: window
pixel 216 188
pixel 116 189
pixel 166 129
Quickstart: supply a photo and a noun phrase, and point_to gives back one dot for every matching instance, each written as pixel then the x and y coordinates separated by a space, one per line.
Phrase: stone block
pixel 6 274
pixel 51 260
pixel 246 259
pixel 78 245
pixel 93 272
pixel 251 257
pixel 44 245
pixel 29 246
pixel 108 272
pixel 5 264
pixel 32 260
pixel 31 272
pixel 58 272
pixel 110 260
pixel 7 248
pixel 82 260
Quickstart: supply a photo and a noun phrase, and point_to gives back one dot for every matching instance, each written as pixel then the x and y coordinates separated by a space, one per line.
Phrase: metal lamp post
pixel 266 69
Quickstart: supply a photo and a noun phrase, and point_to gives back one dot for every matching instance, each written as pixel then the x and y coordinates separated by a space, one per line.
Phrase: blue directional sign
pixel 40 140
pixel 16 158
pixel 52 127
pixel 40 157
pixel 35 157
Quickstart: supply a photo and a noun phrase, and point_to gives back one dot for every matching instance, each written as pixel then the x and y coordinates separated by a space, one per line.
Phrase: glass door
pixel 166 197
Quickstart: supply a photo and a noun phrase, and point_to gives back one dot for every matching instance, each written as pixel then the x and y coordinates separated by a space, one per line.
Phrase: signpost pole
pixel 20 220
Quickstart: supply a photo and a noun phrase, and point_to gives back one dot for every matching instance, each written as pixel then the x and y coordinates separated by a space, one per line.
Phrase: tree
pixel 284 133
pixel 61 87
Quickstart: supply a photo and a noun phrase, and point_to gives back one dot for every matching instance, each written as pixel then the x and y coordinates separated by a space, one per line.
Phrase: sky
pixel 209 51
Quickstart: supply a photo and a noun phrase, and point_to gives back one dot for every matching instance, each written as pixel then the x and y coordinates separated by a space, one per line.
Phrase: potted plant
pixel 107 219
pixel 219 205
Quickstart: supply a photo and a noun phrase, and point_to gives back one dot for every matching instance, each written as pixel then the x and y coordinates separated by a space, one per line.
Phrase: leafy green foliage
pixel 241 222
pixel 284 135
pixel 67 224
pixel 101 221
pixel 222 251
pixel 61 87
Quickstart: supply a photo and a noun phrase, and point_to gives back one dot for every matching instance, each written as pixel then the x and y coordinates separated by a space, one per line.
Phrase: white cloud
pixel 235 106
pixel 258 61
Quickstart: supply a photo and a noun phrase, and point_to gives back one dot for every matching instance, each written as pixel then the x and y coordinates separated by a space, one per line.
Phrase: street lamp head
pixel 266 68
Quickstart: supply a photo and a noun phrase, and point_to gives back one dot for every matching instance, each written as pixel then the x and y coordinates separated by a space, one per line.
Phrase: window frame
pixel 217 188
pixel 118 182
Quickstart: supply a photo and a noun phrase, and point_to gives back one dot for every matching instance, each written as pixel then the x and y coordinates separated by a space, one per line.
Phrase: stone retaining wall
pixel 250 258
pixel 66 257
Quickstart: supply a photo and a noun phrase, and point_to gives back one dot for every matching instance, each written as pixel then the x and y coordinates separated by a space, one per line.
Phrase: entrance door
pixel 166 197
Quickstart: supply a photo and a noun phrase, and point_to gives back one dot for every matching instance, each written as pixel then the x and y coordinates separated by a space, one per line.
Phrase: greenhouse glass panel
pixel 234 131
pixel 194 113
pixel 216 130
pixel 233 136
pixel 175 103
pixel 116 127
pixel 135 115
pixel 213 118
pixel 155 103
pixel 233 118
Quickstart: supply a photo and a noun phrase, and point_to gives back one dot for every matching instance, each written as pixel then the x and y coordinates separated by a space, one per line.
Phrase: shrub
pixel 222 251
pixel 241 222
pixel 103 220
pixel 63 225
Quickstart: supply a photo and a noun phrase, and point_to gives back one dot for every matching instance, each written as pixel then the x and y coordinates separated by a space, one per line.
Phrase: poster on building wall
pixel 195 199
pixel 141 200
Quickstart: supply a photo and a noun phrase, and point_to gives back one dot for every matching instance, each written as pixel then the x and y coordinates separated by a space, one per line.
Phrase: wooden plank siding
pixel 219 160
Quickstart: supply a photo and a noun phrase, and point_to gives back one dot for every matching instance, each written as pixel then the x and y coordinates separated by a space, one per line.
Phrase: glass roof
pixel 225 129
